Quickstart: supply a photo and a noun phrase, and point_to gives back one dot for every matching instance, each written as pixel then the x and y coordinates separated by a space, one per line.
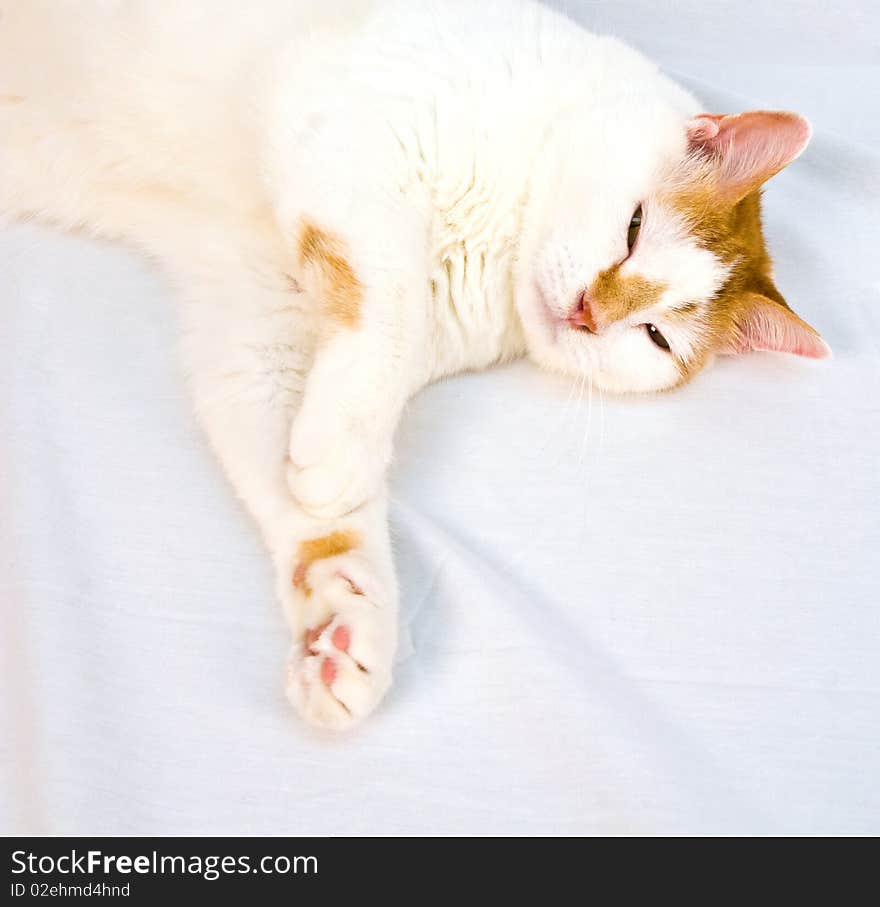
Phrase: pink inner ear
pixel 751 146
pixel 767 325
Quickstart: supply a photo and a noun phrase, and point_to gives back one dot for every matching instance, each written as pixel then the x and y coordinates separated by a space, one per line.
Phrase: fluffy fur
pixel 357 198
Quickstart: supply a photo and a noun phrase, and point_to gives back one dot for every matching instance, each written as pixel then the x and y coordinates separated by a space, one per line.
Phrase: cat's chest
pixel 475 222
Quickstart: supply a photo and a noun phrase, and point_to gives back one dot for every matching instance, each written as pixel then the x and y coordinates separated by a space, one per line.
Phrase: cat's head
pixel 663 264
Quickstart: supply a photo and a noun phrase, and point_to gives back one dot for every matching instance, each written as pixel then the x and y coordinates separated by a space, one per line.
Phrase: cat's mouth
pixel 548 317
pixel 553 323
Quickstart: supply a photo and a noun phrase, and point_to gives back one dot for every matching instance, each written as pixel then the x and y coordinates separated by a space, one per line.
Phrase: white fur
pixel 481 162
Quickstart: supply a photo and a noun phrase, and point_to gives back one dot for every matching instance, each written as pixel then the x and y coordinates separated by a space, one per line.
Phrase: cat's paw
pixel 344 478
pixel 341 667
pixel 333 470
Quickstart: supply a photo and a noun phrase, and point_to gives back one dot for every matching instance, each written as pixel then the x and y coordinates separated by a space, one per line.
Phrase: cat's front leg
pixel 365 367
pixel 247 347
pixel 340 443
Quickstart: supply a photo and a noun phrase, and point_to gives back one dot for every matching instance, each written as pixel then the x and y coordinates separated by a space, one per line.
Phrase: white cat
pixel 356 198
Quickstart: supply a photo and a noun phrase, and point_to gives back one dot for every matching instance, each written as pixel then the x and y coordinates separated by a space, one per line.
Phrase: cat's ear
pixel 762 323
pixel 749 147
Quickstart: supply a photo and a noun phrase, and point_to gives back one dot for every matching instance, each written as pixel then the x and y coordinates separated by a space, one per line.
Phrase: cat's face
pixel 664 264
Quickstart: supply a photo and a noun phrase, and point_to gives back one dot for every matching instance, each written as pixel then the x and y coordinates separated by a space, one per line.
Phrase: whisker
pixel 588 371
pixel 581 383
pixel 552 437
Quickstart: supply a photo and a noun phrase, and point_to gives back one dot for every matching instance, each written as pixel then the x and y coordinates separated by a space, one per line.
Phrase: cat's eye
pixel 657 337
pixel 634 226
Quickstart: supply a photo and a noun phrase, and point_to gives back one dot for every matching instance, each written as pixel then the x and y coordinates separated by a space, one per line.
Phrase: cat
pixel 354 199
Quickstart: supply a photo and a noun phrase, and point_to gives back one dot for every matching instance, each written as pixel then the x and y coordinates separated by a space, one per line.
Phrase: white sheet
pixel 648 616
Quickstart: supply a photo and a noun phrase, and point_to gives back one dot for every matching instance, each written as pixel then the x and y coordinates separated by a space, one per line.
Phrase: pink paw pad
pixel 328 671
pixel 341 638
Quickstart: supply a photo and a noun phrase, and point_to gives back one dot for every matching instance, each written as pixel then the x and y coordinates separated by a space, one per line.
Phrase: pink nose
pixel 584 315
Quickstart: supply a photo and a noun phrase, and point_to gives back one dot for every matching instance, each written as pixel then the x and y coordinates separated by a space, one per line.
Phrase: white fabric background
pixel 653 616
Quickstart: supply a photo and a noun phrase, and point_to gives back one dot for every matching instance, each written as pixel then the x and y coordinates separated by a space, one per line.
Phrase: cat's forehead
pixel 730 229
pixel 704 245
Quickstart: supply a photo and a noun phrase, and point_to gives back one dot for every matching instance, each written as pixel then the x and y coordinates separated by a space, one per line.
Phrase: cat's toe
pixel 332 689
pixel 313 699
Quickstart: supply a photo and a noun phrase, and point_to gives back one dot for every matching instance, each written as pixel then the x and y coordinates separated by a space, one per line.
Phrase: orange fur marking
pixel 617 296
pixel 318 549
pixel 341 290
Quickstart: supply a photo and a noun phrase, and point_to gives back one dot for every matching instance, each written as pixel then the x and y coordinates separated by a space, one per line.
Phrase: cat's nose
pixel 584 316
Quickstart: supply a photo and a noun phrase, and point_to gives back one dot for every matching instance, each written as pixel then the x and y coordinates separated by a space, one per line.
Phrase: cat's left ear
pixel 748 147
pixel 762 323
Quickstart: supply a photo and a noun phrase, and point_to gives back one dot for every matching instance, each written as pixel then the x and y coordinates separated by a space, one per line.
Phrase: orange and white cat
pixel 354 199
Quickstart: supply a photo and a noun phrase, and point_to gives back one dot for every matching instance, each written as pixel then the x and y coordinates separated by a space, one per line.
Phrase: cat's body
pixel 356 198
